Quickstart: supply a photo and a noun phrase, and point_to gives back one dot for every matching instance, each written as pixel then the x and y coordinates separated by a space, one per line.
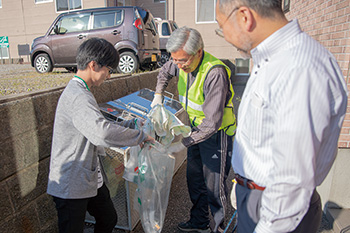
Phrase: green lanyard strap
pixel 83 81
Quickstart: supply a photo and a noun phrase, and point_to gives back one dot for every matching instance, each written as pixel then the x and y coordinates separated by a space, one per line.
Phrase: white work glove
pixel 176 147
pixel 157 99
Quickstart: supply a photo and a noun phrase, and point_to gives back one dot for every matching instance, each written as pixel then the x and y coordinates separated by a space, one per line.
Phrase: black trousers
pixel 71 212
pixel 208 165
pixel 249 202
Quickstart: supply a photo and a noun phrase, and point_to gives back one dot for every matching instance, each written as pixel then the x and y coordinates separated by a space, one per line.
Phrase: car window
pixel 152 26
pixel 108 19
pixel 165 29
pixel 143 14
pixel 73 23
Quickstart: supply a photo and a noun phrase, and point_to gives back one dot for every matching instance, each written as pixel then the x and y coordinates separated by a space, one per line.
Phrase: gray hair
pixel 188 39
pixel 265 8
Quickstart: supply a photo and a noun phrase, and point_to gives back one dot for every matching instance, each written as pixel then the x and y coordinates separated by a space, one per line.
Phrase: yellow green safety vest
pixel 195 95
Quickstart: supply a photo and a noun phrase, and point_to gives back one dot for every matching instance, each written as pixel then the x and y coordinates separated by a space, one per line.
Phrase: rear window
pixel 152 26
pixel 143 14
pixel 165 29
pixel 147 19
pixel 108 19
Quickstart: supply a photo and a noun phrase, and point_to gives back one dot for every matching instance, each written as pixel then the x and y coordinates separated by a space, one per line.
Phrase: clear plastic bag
pixel 154 182
pixel 132 167
pixel 154 169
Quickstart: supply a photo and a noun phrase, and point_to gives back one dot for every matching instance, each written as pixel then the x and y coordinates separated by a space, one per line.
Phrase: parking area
pixel 21 78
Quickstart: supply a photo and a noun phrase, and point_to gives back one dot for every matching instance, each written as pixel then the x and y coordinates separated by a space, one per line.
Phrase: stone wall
pixel 26 123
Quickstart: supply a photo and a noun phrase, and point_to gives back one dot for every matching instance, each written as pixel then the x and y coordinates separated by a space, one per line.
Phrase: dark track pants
pixel 208 165
pixel 71 212
pixel 249 203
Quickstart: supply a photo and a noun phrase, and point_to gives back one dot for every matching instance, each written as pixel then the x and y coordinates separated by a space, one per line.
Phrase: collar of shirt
pixel 80 80
pixel 275 43
pixel 194 73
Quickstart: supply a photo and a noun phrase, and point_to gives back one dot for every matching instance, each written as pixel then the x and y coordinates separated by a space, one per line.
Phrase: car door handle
pixel 81 36
pixel 115 32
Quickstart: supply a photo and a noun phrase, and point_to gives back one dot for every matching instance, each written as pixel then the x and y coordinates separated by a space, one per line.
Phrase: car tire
pixel 42 63
pixel 71 69
pixel 164 57
pixel 128 63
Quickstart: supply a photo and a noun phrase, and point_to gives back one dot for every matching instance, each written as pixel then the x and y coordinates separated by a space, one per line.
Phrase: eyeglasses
pixel 181 62
pixel 110 70
pixel 219 31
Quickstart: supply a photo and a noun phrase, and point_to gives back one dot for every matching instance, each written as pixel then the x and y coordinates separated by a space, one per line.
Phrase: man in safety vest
pixel 206 93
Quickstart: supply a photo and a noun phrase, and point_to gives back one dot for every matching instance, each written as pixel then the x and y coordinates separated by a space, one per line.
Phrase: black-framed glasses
pixel 219 31
pixel 181 62
pixel 110 70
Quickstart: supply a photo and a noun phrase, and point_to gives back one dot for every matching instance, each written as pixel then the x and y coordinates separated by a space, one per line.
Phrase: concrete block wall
pixel 26 123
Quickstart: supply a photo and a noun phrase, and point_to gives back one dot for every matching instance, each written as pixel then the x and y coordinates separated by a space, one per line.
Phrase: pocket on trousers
pixel 254 204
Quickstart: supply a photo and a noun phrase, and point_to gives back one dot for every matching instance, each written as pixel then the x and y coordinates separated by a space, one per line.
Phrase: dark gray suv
pixel 131 30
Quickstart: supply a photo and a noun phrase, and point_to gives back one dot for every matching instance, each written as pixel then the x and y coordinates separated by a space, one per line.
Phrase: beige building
pixel 200 15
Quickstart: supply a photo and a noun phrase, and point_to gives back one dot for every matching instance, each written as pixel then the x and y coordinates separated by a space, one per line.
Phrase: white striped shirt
pixel 289 122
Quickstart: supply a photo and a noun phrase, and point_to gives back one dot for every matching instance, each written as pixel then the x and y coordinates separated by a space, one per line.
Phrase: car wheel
pixel 127 63
pixel 42 63
pixel 164 57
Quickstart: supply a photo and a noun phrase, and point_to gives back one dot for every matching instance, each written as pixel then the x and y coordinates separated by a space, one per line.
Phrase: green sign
pixel 4 41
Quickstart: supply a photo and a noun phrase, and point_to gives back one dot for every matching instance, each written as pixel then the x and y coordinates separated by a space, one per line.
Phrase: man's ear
pixel 247 18
pixel 92 65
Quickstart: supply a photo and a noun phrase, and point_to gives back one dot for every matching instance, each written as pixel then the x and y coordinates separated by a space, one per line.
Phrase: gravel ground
pixel 20 78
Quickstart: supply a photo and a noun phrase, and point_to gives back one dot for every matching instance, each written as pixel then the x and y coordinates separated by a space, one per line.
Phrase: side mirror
pixel 56 29
pixel 59 30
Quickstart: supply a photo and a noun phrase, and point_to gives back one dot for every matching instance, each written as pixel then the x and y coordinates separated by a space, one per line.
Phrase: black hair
pixel 98 50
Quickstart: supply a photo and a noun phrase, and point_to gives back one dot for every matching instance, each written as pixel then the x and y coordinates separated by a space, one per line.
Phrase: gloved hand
pixel 176 147
pixel 157 99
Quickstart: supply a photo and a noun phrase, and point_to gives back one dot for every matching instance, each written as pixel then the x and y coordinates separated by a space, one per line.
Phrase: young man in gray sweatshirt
pixel 76 179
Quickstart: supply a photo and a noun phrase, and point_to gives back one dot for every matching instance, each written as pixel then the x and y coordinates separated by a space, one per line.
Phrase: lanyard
pixel 83 81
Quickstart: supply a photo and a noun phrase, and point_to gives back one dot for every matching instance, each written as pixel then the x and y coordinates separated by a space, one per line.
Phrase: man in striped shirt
pixel 206 93
pixel 289 118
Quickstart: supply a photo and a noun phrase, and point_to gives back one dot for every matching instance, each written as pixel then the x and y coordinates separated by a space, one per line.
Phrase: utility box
pixel 123 192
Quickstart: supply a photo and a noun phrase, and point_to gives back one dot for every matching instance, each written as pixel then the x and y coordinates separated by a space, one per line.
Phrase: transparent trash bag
pixel 152 167
pixel 154 183
pixel 131 166
pixel 162 125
